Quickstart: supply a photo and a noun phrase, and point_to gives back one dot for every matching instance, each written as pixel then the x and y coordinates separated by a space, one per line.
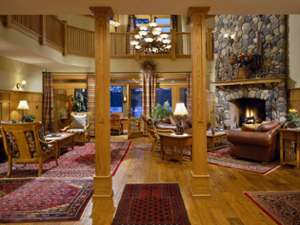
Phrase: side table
pixel 216 141
pixel 290 147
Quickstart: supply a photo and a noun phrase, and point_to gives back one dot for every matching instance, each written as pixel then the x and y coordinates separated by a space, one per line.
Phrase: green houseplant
pixel 160 112
pixel 293 119
pixel 28 118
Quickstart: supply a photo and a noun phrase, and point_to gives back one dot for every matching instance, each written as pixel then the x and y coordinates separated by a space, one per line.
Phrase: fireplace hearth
pixel 247 110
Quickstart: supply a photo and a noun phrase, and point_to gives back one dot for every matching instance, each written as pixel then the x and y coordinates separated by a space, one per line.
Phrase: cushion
pixel 79 121
pixel 266 126
pixel 76 130
pixel 251 127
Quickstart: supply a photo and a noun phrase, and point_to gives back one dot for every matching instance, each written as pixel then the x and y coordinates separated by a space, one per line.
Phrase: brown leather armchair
pixel 260 144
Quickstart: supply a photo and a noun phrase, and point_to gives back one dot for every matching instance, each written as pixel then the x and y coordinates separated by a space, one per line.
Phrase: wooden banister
pixel 51 31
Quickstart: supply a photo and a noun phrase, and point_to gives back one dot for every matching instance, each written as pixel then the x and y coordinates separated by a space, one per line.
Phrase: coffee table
pixel 177 144
pixel 63 139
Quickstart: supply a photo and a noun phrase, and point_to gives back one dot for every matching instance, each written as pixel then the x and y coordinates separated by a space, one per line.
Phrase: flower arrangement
pixel 242 60
pixel 293 119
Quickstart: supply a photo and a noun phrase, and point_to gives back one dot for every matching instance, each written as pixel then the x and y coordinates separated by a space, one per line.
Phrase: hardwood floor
pixel 227 204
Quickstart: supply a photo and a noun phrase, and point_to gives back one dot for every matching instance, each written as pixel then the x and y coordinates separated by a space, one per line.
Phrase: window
pixel 136 106
pixel 140 21
pixel 183 95
pixel 116 99
pixel 164 95
pixel 164 23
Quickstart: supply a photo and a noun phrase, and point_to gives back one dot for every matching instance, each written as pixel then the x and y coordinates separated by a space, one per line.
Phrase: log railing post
pixel 42 38
pixel 7 21
pixel 173 43
pixel 65 36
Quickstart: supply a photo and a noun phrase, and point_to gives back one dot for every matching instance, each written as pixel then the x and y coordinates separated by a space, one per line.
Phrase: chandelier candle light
pixel 150 40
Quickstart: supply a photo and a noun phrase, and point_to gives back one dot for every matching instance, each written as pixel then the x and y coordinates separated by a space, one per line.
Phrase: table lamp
pixel 180 113
pixel 23 105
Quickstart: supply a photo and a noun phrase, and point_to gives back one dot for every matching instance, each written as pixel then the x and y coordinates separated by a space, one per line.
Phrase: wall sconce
pixel 21 85
pixel 114 23
pixel 230 37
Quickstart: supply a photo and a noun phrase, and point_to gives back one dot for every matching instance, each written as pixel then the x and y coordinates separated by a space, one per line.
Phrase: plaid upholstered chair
pixel 24 143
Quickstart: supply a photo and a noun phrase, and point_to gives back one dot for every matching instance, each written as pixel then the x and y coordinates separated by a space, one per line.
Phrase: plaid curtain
pixel 48 115
pixel 149 86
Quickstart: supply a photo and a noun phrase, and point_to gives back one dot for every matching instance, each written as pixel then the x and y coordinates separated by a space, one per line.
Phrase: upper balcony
pixel 69 40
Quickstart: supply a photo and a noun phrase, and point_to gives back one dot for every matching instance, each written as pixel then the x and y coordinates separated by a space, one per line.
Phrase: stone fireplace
pixel 262 93
pixel 236 102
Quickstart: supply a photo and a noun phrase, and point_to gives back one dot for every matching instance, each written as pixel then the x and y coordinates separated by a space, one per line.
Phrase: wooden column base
pixel 103 211
pixel 103 187
pixel 200 185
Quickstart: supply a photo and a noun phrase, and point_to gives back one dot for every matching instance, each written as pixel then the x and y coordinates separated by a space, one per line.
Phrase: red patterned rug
pixel 154 204
pixel 222 157
pixel 282 206
pixel 79 162
pixel 24 200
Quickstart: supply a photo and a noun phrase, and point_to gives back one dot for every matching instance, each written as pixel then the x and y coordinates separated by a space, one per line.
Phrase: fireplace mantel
pixel 250 81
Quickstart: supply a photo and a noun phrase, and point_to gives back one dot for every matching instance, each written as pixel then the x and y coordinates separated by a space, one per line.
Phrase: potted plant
pixel 28 118
pixel 293 119
pixel 161 112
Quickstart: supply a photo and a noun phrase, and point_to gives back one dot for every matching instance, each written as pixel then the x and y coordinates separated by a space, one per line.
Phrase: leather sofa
pixel 259 144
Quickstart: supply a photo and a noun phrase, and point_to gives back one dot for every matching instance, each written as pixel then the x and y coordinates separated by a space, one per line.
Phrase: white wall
pixel 12 72
pixel 294 51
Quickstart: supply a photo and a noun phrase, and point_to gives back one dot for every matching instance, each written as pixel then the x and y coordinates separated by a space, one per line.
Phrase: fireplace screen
pixel 247 110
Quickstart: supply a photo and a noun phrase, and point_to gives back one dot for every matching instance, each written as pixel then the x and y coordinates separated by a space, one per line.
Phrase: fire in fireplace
pixel 247 110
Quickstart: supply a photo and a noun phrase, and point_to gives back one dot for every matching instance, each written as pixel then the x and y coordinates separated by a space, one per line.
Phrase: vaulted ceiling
pixel 152 7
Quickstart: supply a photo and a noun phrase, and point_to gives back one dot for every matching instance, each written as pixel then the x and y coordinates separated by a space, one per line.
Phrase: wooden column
pixel 199 173
pixel 102 198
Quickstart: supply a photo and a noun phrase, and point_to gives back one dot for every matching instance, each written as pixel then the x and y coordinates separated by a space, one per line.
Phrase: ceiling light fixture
pixel 149 39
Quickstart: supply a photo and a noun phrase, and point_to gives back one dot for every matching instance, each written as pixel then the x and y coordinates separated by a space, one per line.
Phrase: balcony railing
pixel 51 31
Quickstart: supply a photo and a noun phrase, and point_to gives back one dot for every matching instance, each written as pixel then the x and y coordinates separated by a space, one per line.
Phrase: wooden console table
pixel 176 143
pixel 290 147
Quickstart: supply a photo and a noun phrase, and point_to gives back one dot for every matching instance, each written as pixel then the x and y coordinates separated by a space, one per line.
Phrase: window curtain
pixel 91 86
pixel 149 86
pixel 48 114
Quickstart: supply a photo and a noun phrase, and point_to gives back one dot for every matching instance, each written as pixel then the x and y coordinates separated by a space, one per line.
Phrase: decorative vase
pixel 243 73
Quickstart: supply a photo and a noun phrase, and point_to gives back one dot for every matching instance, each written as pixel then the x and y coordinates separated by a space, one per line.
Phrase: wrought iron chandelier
pixel 149 39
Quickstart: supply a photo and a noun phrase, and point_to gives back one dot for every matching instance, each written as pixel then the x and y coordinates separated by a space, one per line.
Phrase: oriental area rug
pixel 61 193
pixel 282 206
pixel 78 162
pixel 222 157
pixel 154 204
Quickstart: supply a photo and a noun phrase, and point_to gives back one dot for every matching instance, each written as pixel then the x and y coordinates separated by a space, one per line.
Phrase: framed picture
pixel 80 100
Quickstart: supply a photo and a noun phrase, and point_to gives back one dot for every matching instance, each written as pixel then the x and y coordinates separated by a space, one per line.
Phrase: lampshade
pixel 23 105
pixel 180 109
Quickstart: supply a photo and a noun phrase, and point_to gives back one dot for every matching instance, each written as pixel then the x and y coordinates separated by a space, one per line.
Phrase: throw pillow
pixel 250 127
pixel 79 121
